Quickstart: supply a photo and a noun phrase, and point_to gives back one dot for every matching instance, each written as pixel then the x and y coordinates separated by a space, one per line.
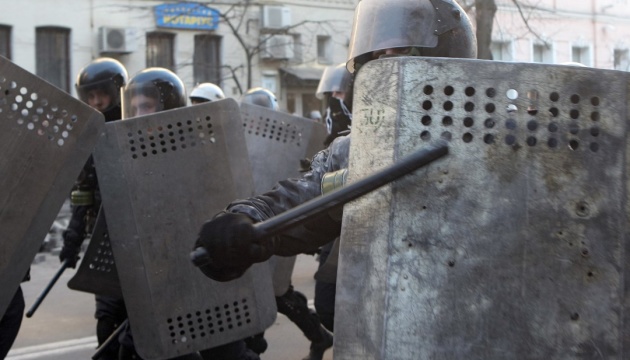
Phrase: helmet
pixel 205 92
pixel 105 74
pixel 161 88
pixel 437 28
pixel 573 63
pixel 334 79
pixel 315 115
pixel 261 97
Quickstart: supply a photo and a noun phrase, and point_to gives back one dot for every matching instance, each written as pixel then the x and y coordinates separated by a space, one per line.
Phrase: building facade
pixel 595 33
pixel 280 45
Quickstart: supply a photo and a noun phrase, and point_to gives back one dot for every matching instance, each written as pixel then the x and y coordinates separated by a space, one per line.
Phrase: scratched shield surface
pixel 276 143
pixel 45 138
pixel 513 245
pixel 161 176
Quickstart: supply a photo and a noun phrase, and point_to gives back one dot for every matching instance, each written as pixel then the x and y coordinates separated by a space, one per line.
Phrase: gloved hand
pixel 70 253
pixel 232 245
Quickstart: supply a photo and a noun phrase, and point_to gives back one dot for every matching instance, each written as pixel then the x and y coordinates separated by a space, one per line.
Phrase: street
pixel 63 327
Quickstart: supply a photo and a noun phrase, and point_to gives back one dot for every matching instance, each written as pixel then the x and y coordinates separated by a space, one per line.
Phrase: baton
pixel 42 296
pixel 110 340
pixel 322 204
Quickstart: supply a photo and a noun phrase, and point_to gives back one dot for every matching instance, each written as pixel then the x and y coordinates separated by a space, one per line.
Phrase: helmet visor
pixel 102 95
pixel 334 79
pixel 141 99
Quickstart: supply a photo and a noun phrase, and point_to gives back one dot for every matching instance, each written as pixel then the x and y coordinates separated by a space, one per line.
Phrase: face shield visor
pixel 334 79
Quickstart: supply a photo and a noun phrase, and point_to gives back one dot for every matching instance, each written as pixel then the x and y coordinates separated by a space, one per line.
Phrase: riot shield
pixel 161 176
pixel 46 136
pixel 511 247
pixel 276 143
pixel 97 273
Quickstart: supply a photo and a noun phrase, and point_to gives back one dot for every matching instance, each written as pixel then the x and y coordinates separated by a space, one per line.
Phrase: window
pixel 160 46
pixel 297 48
pixel 501 50
pixel 622 60
pixel 324 51
pixel 5 41
pixel 581 54
pixel 207 59
pixel 542 53
pixel 268 81
pixel 52 55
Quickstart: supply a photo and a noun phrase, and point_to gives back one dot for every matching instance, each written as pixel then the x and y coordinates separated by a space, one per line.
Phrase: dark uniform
pixel 432 28
pixel 106 76
pixel 12 320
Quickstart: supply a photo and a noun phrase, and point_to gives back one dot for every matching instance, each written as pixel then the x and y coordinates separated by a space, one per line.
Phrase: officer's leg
pixel 325 294
pixel 110 313
pixel 10 323
pixel 294 305
pixel 325 303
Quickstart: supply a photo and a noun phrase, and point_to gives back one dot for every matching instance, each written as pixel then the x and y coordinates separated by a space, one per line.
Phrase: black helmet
pixel 161 88
pixel 106 74
pixel 261 97
pixel 436 28
pixel 334 79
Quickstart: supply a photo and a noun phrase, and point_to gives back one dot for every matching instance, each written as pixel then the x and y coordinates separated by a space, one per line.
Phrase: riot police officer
pixel 293 304
pixel 98 84
pixel 205 92
pixel 149 91
pixel 380 29
pixel 333 86
pixel 261 97
pixel 335 82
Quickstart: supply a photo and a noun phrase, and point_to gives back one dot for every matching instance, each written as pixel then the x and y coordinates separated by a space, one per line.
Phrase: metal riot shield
pixel 514 245
pixel 276 143
pixel 97 273
pixel 45 138
pixel 161 176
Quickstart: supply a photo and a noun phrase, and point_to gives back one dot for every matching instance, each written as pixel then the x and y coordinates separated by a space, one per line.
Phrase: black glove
pixel 71 254
pixel 232 245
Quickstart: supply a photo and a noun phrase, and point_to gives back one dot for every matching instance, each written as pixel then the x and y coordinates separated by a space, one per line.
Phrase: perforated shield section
pixel 45 138
pixel 511 246
pixel 277 142
pixel 279 145
pixel 97 273
pixel 161 176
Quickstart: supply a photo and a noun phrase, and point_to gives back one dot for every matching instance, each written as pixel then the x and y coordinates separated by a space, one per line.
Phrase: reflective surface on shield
pixel 514 244
pixel 97 272
pixel 161 176
pixel 276 143
pixel 45 138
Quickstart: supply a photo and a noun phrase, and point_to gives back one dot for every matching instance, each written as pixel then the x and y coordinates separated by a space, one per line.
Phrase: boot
pixel 318 349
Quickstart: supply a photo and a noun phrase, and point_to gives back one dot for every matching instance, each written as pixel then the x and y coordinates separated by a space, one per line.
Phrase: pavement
pixel 63 327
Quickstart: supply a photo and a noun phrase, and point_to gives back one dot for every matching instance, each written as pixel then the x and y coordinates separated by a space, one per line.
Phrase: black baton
pixel 42 296
pixel 110 340
pixel 322 204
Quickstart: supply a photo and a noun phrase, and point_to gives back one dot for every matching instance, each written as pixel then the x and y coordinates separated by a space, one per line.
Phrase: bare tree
pixel 252 40
pixel 485 11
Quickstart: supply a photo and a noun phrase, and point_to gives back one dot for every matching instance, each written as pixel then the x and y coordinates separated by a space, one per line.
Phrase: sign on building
pixel 191 16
